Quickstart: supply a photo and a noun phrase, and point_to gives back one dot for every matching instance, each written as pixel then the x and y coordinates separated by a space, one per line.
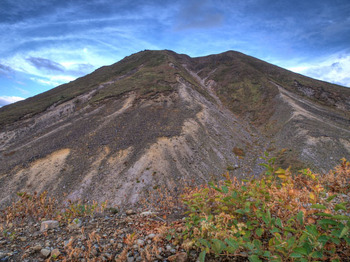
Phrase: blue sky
pixel 47 43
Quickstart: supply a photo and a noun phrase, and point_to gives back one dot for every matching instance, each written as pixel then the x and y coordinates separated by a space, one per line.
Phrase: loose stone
pixel 49 224
pixel 45 252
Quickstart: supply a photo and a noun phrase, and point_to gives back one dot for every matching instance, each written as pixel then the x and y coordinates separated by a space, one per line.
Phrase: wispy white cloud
pixel 334 69
pixel 53 81
pixel 70 55
pixel 5 100
pixel 23 91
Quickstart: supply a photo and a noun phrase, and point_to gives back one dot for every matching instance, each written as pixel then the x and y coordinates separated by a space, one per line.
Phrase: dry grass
pixel 36 207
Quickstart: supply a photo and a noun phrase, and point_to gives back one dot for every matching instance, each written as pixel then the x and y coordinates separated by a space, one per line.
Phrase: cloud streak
pixel 5 70
pixel 45 64
pixel 5 100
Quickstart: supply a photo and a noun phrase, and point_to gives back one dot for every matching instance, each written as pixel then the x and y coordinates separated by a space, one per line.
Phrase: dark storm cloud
pixel 46 64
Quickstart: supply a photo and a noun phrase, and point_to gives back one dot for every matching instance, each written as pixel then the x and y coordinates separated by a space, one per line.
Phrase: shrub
pixel 36 207
pixel 279 217
pixel 81 209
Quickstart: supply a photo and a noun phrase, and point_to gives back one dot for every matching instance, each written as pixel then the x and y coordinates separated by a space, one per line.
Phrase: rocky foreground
pixel 108 236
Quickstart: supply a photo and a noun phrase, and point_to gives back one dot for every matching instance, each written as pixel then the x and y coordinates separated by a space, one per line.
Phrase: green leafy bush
pixel 280 217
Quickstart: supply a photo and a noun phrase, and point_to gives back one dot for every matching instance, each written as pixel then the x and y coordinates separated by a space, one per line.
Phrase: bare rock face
pixel 159 119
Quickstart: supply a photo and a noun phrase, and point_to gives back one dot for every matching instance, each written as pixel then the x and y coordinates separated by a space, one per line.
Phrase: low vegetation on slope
pixel 279 217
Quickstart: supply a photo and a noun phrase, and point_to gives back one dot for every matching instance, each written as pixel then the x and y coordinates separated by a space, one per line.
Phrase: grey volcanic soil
pixel 125 147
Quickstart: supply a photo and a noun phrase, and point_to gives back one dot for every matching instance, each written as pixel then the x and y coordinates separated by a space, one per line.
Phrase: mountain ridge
pixel 157 118
pixel 96 74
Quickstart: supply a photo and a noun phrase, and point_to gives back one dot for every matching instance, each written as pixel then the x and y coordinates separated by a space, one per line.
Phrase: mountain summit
pixel 157 118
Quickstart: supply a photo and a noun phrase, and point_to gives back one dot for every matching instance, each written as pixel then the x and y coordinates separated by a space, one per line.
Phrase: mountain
pixel 158 119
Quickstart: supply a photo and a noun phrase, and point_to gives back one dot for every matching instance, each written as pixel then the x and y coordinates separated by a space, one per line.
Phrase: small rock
pixel 76 224
pixel 94 252
pixel 168 247
pixel 140 242
pixel 130 259
pixel 151 236
pixel 45 252
pixel 2 255
pixel 181 257
pixel 67 242
pixel 37 248
pixel 120 245
pixel 49 224
pixel 23 239
pixel 159 257
pixel 29 250
pixel 148 213
pixel 55 253
pixel 130 212
pixel 113 210
pixel 35 234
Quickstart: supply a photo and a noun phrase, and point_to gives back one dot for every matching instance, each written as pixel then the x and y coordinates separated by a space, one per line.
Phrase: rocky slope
pixel 158 119
pixel 135 236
